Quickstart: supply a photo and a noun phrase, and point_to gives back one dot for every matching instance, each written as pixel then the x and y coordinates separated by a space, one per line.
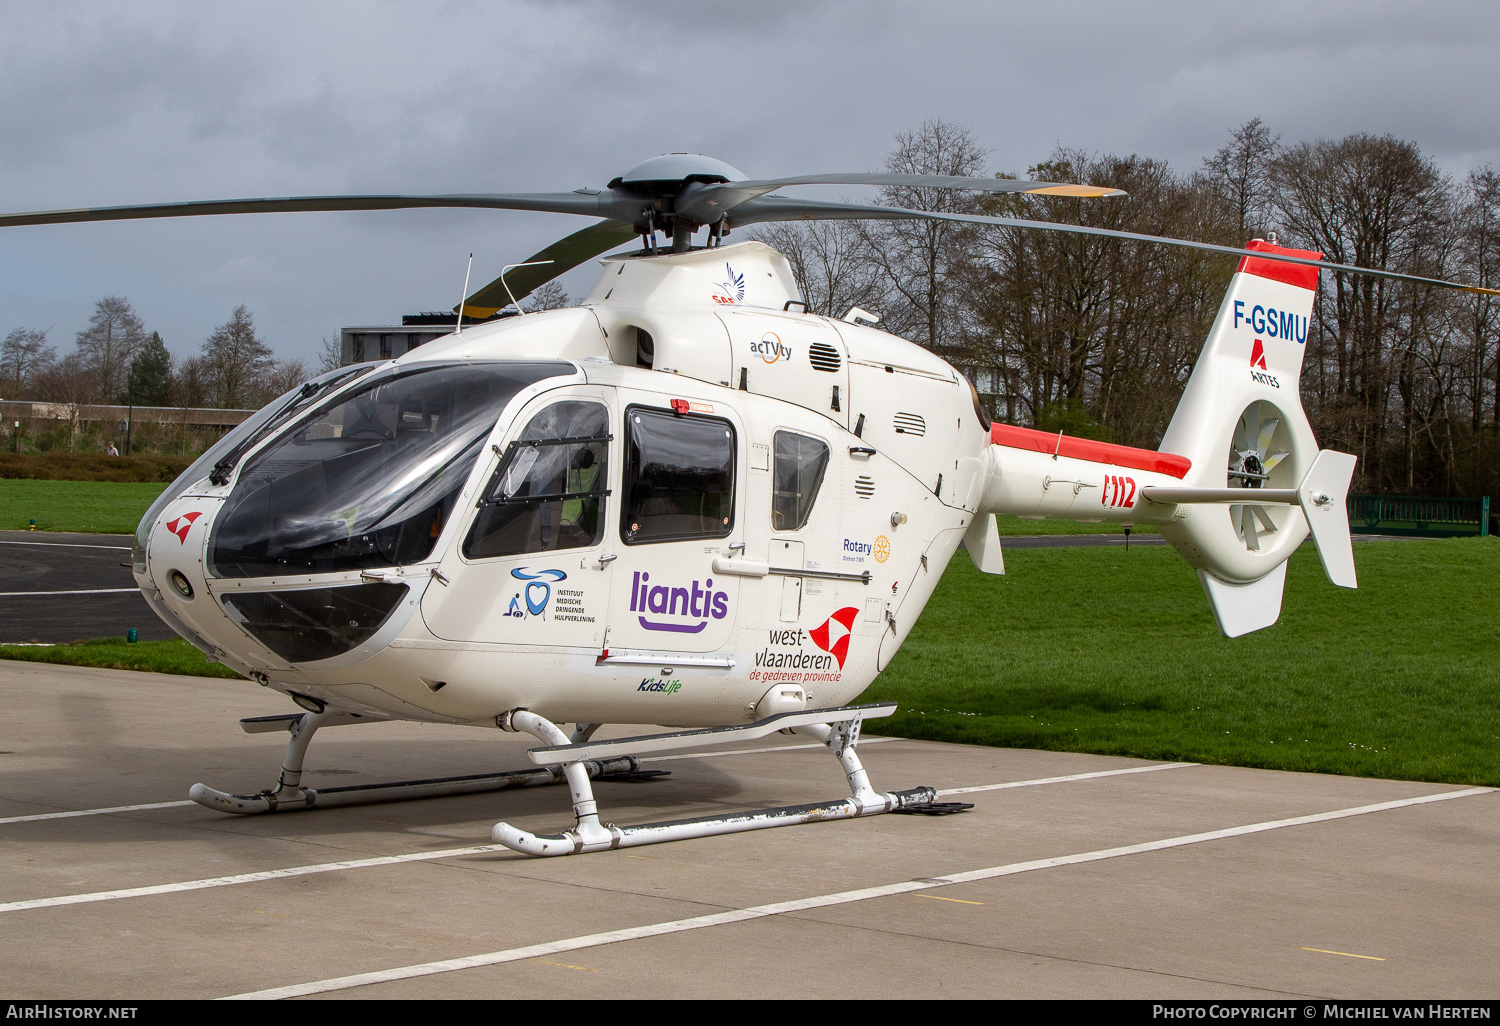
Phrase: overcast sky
pixel 113 103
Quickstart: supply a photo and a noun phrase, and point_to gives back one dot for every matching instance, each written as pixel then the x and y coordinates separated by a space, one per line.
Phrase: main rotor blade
pixel 705 203
pixel 555 202
pixel 777 208
pixel 564 254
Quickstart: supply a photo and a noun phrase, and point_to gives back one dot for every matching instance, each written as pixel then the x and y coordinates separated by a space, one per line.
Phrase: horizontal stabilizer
pixel 1242 608
pixel 983 542
pixel 1325 492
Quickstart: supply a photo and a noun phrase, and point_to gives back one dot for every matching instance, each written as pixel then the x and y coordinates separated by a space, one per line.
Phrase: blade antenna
pixel 458 327
pixel 506 270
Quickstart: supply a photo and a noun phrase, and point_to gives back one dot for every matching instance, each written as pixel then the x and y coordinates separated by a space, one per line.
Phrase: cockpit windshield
pixel 370 479
pixel 239 440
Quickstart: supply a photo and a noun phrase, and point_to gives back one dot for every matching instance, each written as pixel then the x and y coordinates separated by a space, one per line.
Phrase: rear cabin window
pixel 797 475
pixel 548 492
pixel 679 477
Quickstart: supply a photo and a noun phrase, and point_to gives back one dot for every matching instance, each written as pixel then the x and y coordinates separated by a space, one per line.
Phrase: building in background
pixel 361 342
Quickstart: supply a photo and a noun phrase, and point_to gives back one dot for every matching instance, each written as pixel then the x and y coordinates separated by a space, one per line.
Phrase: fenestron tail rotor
pixel 1251 462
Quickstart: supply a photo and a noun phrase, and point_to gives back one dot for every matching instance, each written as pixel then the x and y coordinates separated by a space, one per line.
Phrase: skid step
pixel 553 755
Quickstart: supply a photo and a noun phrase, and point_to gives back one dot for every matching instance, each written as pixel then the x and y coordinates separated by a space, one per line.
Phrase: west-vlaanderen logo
pixel 832 636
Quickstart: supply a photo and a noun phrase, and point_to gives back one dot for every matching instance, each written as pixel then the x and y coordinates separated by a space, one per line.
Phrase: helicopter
pixel 690 500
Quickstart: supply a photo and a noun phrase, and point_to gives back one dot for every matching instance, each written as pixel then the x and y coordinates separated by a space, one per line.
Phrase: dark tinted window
pixel 798 474
pixel 548 492
pixel 679 476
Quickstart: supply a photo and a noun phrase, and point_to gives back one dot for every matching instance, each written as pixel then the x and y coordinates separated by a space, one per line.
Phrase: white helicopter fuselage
pixel 854 464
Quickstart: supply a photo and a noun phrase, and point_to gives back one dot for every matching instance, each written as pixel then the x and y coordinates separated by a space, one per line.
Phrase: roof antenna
pixel 458 328
pixel 506 270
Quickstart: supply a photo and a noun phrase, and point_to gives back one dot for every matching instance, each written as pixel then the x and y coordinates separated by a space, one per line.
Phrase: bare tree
pixel 1087 331
pixel 235 362
pixel 831 262
pixel 190 383
pixel 330 354
pixel 1241 173
pixel 919 261
pixel 550 296
pixel 1375 201
pixel 113 336
pixel 67 381
pixel 282 378
pixel 23 354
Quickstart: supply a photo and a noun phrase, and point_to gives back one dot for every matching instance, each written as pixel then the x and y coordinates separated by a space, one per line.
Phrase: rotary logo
pixel 882 549
pixel 179 525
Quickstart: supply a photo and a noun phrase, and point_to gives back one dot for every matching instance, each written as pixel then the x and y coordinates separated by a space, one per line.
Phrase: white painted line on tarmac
pixel 664 758
pixel 87 591
pixel 1062 780
pixel 94 812
pixel 71 545
pixel 329 867
pixel 821 901
pixel 241 878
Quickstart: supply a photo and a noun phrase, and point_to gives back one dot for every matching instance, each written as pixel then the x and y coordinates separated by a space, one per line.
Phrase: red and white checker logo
pixel 833 636
pixel 179 525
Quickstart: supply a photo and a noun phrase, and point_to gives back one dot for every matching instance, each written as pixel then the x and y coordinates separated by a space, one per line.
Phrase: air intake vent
pixel 824 357
pixel 910 424
pixel 864 487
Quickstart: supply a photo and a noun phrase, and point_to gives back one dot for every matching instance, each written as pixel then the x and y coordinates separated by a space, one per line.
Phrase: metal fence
pixel 1419 515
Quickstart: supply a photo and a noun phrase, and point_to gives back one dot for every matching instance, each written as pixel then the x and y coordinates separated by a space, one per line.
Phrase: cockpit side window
pixel 548 492
pixel 800 462
pixel 679 477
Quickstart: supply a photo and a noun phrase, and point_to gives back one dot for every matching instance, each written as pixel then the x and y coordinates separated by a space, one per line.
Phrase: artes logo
pixel 1258 355
pixel 537 592
pixel 179 526
pixel 833 636
pixel 731 291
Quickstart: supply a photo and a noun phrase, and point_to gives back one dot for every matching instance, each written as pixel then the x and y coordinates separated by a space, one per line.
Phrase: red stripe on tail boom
pixel 1089 449
pixel 1300 275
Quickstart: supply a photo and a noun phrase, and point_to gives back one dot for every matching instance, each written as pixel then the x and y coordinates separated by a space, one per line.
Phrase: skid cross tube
pixel 838 729
pixel 289 795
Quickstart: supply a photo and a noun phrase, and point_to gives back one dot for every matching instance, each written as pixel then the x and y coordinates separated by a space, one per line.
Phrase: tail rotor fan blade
pixel 1247 528
pixel 564 255
pixel 1263 439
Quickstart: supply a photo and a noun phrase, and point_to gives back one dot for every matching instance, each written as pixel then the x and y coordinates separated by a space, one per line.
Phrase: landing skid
pixel 838 729
pixel 289 795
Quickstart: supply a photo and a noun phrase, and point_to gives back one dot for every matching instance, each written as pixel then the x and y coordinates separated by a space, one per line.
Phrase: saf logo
pixel 731 291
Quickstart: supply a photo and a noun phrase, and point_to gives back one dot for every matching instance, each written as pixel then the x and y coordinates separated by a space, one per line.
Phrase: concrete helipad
pixel 1074 876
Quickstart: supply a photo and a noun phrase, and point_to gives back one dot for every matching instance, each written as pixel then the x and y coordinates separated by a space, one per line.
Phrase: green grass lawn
pixel 94 507
pixel 174 656
pixel 1013 526
pixel 1099 650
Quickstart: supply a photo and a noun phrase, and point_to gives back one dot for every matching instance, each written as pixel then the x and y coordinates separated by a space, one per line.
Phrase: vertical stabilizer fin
pixel 1242 608
pixel 983 542
pixel 1323 495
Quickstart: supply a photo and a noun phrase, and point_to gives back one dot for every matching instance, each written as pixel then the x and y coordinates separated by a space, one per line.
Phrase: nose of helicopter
pixel 175 554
